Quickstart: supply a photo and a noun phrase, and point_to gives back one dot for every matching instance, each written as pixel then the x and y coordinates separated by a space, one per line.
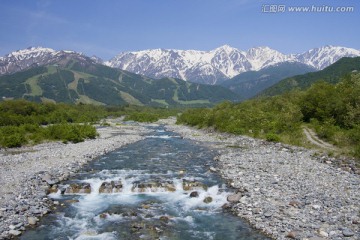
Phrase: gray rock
pixel 12 227
pixel 194 194
pixel 15 232
pixel 268 214
pixel 32 220
pixel 234 198
pixel 212 169
pixel 347 232
pixel 322 233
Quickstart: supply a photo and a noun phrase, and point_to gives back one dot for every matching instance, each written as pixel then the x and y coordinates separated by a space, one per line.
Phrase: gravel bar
pixel 27 173
pixel 287 192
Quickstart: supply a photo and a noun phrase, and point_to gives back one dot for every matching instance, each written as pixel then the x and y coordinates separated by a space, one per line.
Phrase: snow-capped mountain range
pixel 222 63
pixel 208 67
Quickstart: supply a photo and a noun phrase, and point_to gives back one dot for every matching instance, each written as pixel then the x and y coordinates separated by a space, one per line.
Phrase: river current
pixel 157 188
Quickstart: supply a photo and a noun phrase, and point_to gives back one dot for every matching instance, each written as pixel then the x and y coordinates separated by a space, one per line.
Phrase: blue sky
pixel 105 28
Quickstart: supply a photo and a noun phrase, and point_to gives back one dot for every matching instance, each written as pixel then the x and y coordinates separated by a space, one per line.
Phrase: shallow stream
pixel 157 188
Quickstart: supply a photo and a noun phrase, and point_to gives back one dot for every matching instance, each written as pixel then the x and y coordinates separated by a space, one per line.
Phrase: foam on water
pixel 153 174
pixel 160 136
pixel 94 236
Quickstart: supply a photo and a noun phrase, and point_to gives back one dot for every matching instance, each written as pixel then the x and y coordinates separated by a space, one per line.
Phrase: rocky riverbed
pixel 285 191
pixel 28 173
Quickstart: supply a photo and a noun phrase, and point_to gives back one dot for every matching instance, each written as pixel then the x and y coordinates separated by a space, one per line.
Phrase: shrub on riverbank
pixel 23 122
pixel 142 117
pixel 16 136
pixel 332 110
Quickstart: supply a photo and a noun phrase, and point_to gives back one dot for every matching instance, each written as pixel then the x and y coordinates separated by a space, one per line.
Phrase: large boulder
pixel 78 188
pixel 111 187
pixel 193 185
pixel 154 186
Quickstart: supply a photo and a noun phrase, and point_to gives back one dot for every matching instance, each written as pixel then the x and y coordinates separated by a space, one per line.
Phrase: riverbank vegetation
pixel 23 122
pixel 332 110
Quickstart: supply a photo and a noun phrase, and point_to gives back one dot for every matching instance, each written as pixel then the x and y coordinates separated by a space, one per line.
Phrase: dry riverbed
pixel 285 191
pixel 27 173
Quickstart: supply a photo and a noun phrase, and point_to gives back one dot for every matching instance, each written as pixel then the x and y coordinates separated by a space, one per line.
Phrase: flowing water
pixel 157 188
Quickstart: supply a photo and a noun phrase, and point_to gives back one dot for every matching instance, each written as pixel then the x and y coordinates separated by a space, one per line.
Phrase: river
pixel 157 188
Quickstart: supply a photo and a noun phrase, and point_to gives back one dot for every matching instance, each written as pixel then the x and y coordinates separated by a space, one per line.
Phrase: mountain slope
pixel 35 56
pixel 82 80
pixel 209 67
pixel 250 83
pixel 331 74
pixel 215 66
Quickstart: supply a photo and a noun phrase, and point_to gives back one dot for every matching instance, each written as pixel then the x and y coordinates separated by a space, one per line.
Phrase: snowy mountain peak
pixel 225 48
pixel 324 56
pixel 30 51
pixel 221 63
pixel 35 56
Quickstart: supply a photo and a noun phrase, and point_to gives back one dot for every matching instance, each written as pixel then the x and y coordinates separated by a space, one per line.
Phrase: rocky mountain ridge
pixel 209 67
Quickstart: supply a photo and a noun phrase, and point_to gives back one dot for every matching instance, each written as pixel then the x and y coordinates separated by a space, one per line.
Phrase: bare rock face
pixel 78 188
pixel 111 187
pixel 193 185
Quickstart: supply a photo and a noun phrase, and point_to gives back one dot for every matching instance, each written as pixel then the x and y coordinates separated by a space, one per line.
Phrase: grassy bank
pixel 332 110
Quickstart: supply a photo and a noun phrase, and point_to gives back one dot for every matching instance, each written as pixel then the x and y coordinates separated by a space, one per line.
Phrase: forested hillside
pixel 75 81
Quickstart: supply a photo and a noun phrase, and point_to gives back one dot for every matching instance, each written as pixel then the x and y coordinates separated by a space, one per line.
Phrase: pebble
pixel 233 198
pixel 32 220
pixel 267 214
pixel 212 169
pixel 291 235
pixel 347 233
pixel 15 232
pixel 323 233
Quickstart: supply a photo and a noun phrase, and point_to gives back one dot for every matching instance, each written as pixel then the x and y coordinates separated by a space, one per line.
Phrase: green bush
pixel 272 137
pixel 142 117
pixel 70 132
pixel 13 140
